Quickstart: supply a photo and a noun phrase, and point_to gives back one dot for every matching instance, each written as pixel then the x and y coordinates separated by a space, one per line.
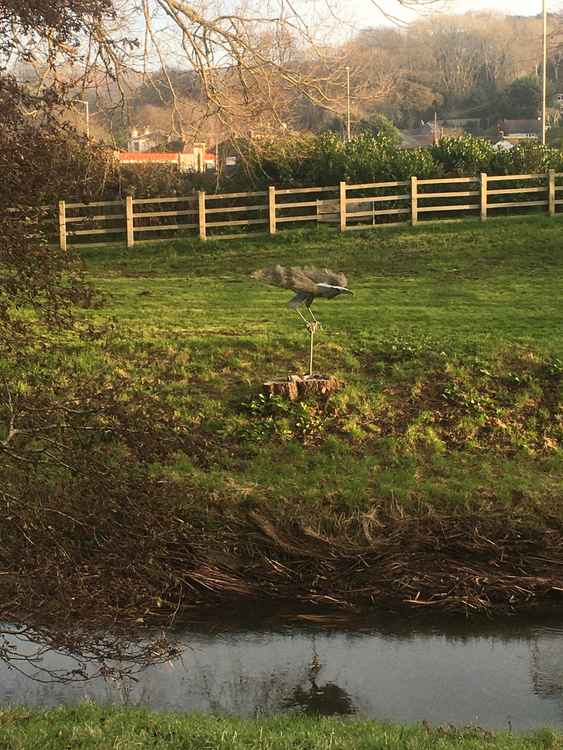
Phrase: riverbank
pixel 433 478
pixel 94 728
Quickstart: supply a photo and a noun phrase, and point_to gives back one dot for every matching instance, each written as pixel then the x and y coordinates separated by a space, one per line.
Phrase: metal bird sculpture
pixel 308 283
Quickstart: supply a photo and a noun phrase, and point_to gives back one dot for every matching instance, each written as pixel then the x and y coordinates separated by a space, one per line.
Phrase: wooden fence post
pixel 272 208
pixel 342 206
pixel 551 192
pixel 414 201
pixel 483 194
pixel 129 221
pixel 201 214
pixel 62 225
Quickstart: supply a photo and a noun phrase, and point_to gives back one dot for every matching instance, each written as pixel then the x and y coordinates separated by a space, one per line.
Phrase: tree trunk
pixel 296 387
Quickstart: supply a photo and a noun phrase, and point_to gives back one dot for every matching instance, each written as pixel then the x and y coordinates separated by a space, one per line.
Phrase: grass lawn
pixel 447 431
pixel 93 728
pixel 451 352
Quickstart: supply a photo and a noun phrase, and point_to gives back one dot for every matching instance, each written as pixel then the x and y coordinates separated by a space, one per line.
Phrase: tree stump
pixel 295 387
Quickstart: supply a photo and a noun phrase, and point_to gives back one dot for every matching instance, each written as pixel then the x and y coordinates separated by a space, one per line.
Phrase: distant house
pixel 145 140
pixel 148 157
pixel 462 122
pixel 425 135
pixel 198 159
pixel 520 129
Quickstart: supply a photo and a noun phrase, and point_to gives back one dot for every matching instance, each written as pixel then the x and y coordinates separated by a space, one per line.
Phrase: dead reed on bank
pixel 158 566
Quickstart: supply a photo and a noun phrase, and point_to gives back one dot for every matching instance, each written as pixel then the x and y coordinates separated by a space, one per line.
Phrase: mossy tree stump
pixel 296 387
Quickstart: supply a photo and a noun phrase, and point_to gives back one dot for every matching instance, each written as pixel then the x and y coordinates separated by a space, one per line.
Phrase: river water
pixel 496 674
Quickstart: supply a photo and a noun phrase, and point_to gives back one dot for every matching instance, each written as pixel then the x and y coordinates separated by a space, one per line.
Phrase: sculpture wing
pixel 301 298
pixel 288 277
pixel 325 276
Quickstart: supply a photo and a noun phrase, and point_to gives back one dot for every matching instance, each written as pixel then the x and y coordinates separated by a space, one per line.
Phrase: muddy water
pixel 494 674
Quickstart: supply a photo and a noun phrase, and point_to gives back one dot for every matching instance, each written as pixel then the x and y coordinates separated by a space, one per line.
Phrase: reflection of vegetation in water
pixel 246 685
pixel 320 700
pixel 323 700
pixel 80 656
pixel 243 695
pixel 546 667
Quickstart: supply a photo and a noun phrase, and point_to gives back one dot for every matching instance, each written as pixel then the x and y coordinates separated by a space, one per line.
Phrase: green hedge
pixel 326 160
pixel 306 159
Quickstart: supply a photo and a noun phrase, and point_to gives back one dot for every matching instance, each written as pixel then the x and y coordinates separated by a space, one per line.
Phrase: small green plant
pixel 277 417
pixel 554 368
pixel 465 396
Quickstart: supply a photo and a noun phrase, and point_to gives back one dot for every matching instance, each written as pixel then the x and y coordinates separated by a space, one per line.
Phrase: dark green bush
pixel 327 159
pixel 155 180
pixel 418 162
pixel 304 159
pixel 527 158
pixel 379 124
pixel 465 155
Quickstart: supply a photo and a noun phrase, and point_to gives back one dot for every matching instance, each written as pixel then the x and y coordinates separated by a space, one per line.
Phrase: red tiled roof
pixel 147 156
pixel 156 156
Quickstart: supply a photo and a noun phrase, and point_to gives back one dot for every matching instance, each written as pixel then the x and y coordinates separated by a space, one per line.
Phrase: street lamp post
pixel 348 135
pixel 544 76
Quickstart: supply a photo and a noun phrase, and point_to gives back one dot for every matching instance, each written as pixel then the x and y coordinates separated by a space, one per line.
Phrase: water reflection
pixel 79 656
pixel 319 700
pixel 496 674
pixel 546 665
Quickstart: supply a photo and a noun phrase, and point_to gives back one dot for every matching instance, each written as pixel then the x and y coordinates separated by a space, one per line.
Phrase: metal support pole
pixel 312 329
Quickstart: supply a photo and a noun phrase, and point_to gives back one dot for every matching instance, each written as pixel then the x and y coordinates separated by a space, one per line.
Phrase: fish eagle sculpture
pixel 308 283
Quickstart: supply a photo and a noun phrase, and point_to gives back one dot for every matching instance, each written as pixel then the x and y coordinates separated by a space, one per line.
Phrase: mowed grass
pixel 465 284
pixel 450 352
pixel 94 728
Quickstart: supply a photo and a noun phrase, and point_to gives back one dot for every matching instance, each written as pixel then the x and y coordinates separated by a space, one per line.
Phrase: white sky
pixel 366 14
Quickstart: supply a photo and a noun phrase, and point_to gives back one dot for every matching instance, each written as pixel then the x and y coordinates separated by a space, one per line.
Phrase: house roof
pixel 157 157
pixel 528 125
pixel 154 156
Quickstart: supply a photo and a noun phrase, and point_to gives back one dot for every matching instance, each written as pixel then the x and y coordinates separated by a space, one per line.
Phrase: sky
pixel 367 14
pixel 349 16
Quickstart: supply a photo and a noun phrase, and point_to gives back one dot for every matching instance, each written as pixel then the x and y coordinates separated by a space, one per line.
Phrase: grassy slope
pixel 434 475
pixel 94 728
pixel 476 309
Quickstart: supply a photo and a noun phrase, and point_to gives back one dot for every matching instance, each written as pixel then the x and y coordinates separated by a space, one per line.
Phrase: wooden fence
pixel 349 207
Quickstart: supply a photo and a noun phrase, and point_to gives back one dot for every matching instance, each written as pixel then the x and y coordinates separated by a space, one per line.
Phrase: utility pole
pixel 435 138
pixel 87 113
pixel 348 135
pixel 544 76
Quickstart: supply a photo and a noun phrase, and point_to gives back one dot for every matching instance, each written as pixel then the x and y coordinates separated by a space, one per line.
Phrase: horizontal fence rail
pixel 349 207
